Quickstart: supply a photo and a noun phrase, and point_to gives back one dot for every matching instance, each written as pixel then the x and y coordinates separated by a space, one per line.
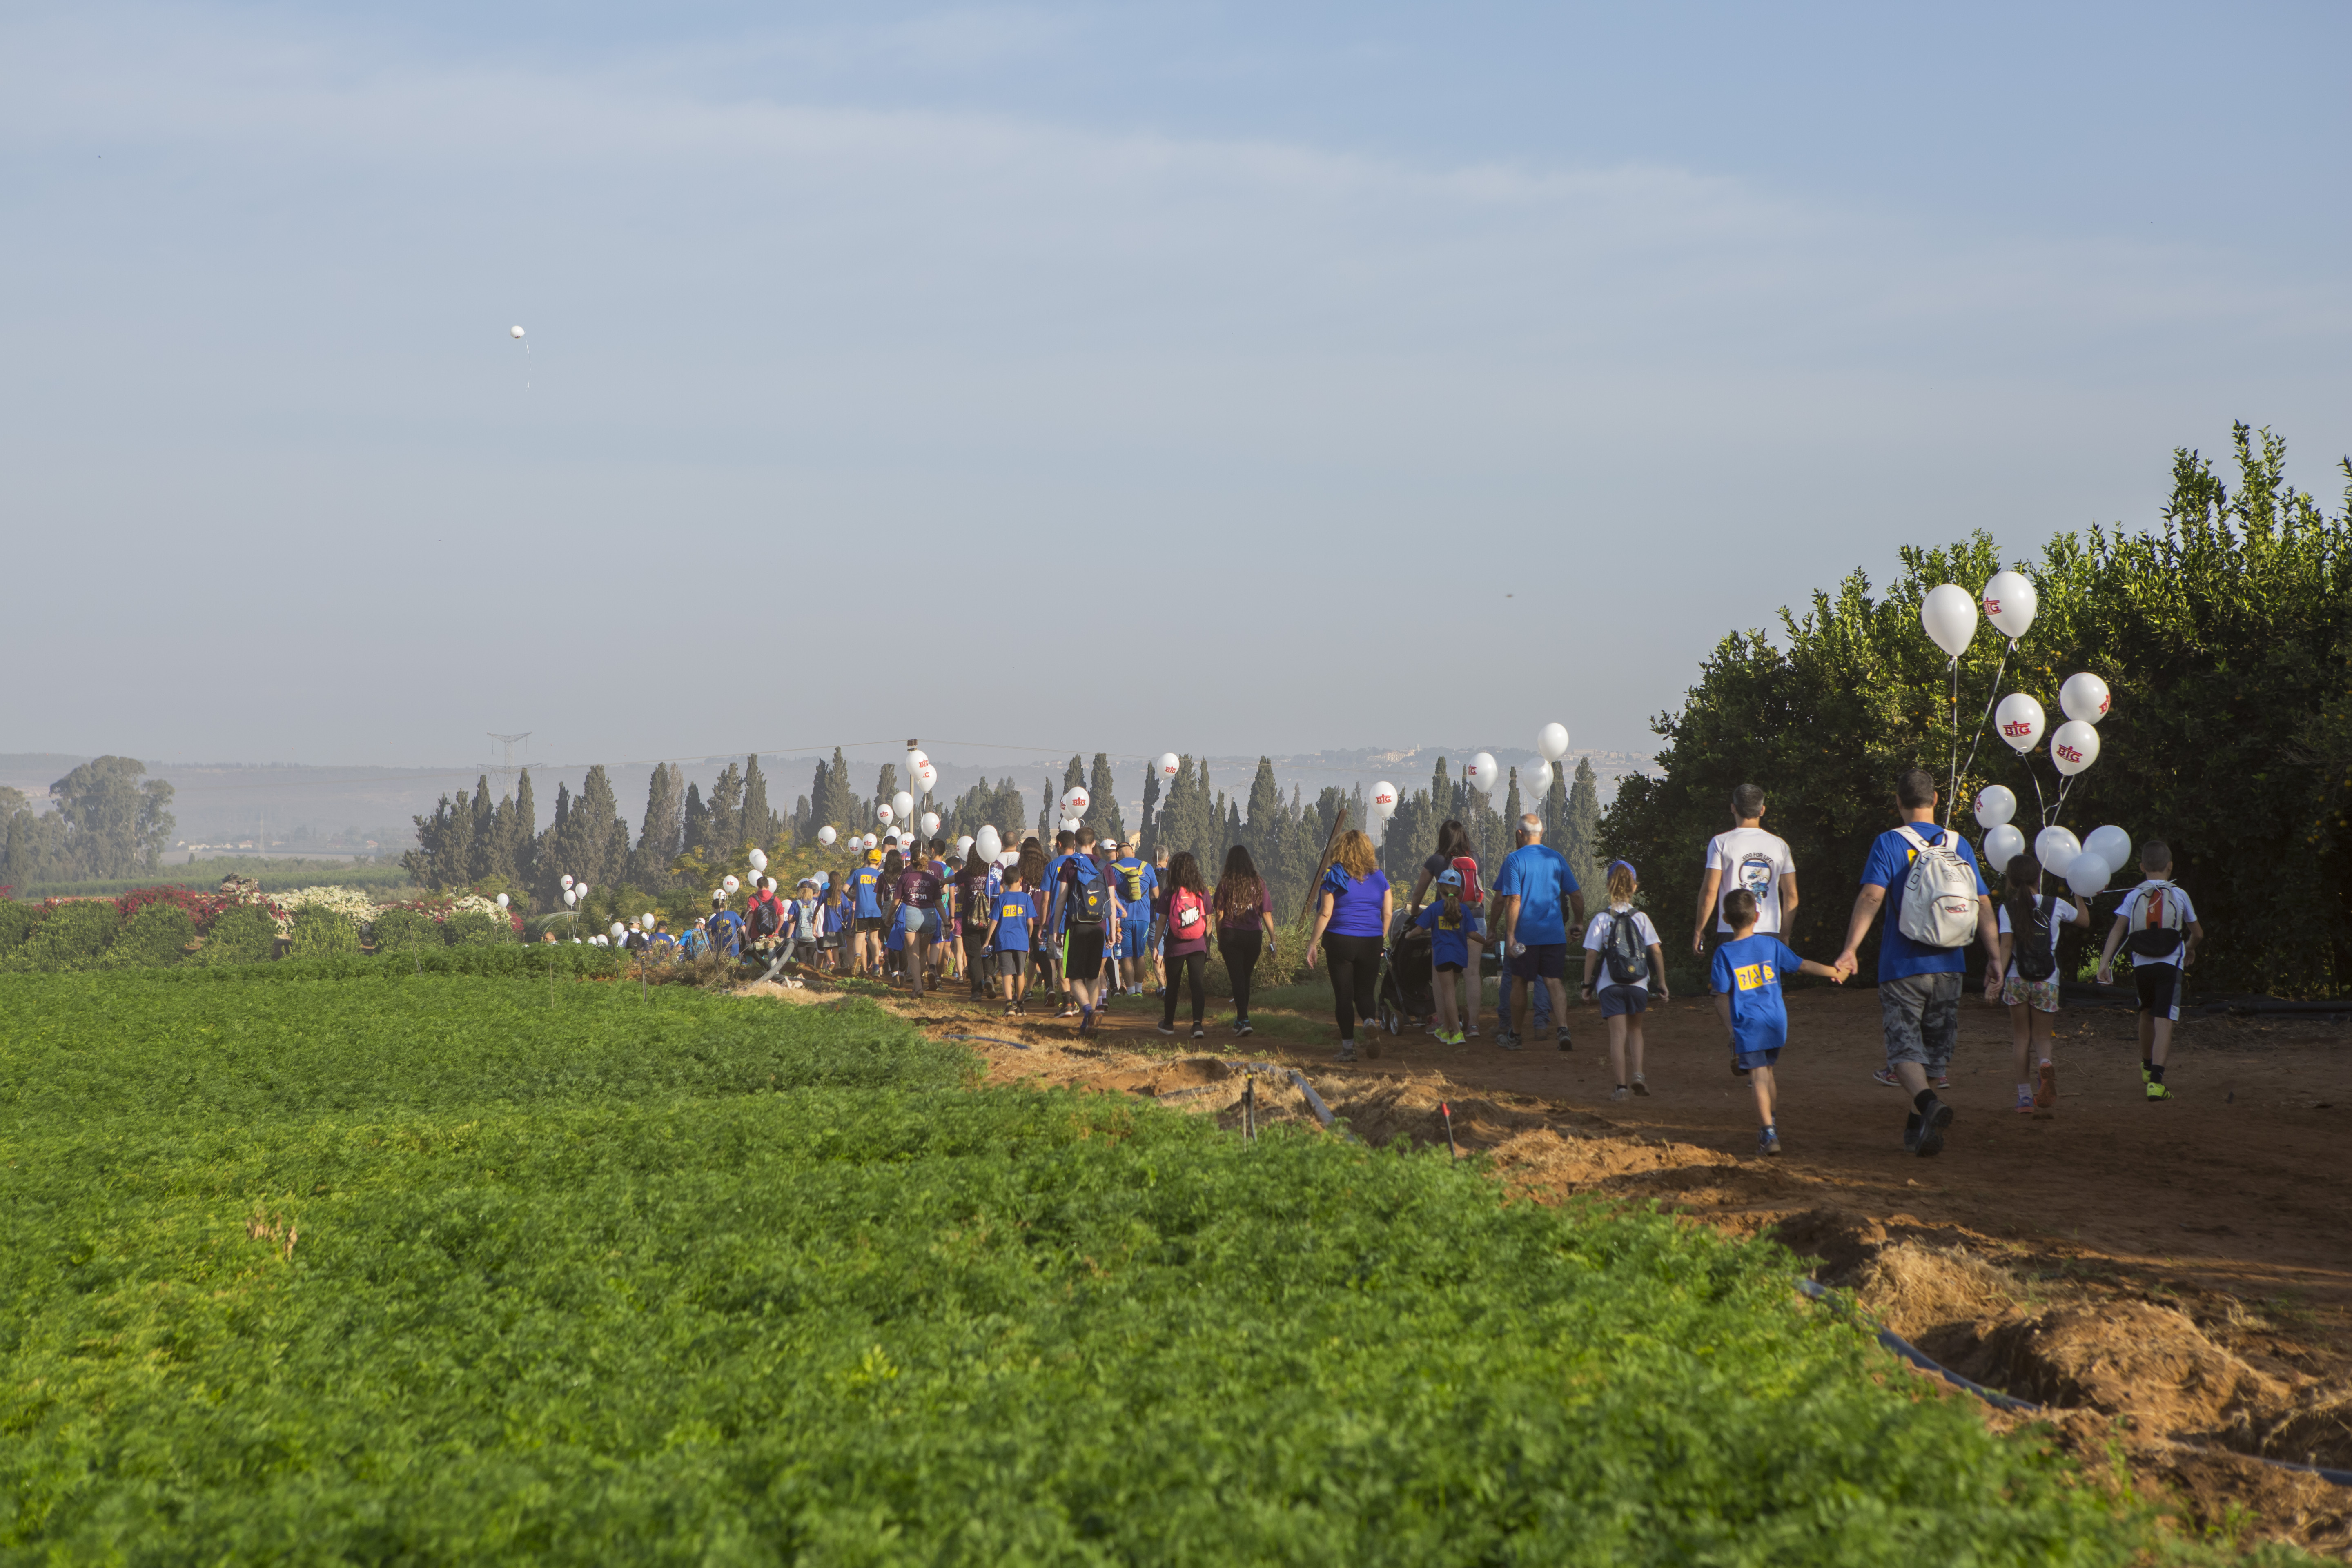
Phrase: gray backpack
pixel 1940 897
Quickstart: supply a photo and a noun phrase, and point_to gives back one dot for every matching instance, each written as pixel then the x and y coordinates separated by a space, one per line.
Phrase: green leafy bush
pixel 321 933
pixel 69 935
pixel 156 935
pixel 405 930
pixel 17 923
pixel 471 928
pixel 243 934
pixel 455 1269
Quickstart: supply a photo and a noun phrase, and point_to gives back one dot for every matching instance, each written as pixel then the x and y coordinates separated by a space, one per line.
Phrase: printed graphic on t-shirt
pixel 1748 976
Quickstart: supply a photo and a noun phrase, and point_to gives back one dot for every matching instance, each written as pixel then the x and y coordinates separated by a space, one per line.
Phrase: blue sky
pixel 905 370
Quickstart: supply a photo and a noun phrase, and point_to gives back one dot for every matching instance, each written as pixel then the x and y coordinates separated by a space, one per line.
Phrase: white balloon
pixel 729 884
pixel 825 834
pixel 2056 847
pixel 2073 746
pixel 1950 616
pixel 871 842
pixel 1552 742
pixel 917 758
pixel 620 929
pixel 514 332
pixel 930 823
pixel 1995 807
pixel 1168 762
pixel 903 804
pixel 581 888
pixel 2001 844
pixel 1538 784
pixel 927 775
pixel 1070 824
pixel 963 847
pixel 759 859
pixel 2020 720
pixel 2085 697
pixel 2089 874
pixel 1481 774
pixel 883 814
pixel 567 878
pixel 502 901
pixel 645 921
pixel 1384 799
pixel 990 843
pixel 2010 603
pixel 2112 845
pixel 1074 801
pixel 570 897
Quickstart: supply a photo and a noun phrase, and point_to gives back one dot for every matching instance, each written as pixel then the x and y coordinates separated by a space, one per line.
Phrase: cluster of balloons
pixel 2087 865
pixel 1483 772
pixel 1949 614
pixel 2073 745
pixel 574 891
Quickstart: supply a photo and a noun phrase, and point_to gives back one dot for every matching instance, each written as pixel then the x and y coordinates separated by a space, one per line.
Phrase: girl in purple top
pixel 1242 910
pixel 1353 908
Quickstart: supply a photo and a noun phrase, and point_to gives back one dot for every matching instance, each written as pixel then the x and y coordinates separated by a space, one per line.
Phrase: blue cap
pixel 1449 878
pixel 1629 869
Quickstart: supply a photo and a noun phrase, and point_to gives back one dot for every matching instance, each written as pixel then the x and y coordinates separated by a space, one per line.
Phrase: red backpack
pixel 1188 916
pixel 1473 894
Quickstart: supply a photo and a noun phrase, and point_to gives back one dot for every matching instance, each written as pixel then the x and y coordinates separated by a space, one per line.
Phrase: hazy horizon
pixel 1251 380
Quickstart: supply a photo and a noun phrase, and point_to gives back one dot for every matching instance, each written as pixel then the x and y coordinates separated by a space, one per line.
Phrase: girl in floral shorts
pixel 2027 981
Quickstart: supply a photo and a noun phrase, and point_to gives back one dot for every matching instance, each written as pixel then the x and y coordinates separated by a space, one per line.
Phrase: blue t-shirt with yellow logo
pixel 1748 972
pixel 1013 912
pixel 862 883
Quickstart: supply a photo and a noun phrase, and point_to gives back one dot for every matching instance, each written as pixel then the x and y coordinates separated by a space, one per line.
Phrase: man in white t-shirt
pixel 2165 934
pixel 1749 858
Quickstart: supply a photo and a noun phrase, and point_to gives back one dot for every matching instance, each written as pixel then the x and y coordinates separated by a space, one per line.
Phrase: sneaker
pixel 1911 1134
pixel 1199 1032
pixel 2158 1092
pixel 1453 1039
pixel 1508 1040
pixel 1562 1037
pixel 2046 1091
pixel 1621 1092
pixel 1242 1031
pixel 1887 1077
pixel 1932 1122
pixel 1167 1030
pixel 1347 1050
pixel 1939 1079
pixel 1086 1024
pixel 1471 1033
pixel 1640 1087
pixel 1768 1142
pixel 2024 1101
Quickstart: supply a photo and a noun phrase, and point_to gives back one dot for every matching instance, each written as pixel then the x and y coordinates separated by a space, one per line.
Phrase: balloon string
pixel 1952 790
pixel 1991 698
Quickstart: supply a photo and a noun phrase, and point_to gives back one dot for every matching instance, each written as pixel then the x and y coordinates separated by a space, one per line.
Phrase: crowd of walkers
pixel 1079 921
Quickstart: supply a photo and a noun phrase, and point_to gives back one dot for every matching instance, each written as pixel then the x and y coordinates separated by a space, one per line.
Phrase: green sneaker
pixel 2144 1078
pixel 2157 1091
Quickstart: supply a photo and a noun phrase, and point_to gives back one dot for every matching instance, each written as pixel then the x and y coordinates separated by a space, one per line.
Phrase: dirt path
pixel 2159 1275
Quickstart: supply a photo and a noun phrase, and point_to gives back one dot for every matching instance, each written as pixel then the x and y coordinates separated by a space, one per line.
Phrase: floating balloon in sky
pixel 1552 742
pixel 884 813
pixel 1950 616
pixel 1168 764
pixel 567 878
pixel 930 823
pixel 514 332
pixel 904 804
pixel 1537 782
pixel 1481 774
pixel 825 834
pixel 2010 603
pixel 1384 799
pixel 758 859
pixel 989 842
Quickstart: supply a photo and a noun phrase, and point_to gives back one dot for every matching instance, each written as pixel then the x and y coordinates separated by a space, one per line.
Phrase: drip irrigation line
pixel 1813 1290
pixel 988 1039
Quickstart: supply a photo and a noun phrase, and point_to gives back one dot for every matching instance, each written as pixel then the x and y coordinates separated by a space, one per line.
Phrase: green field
pixel 338 1263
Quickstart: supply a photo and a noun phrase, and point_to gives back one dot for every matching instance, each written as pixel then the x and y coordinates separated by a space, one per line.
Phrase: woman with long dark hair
pixel 1353 909
pixel 1455 852
pixel 1186 946
pixel 1244 928
pixel 973 901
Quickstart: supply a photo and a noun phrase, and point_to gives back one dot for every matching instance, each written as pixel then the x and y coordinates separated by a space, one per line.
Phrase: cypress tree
pixel 1102 805
pixel 1581 840
pixel 759 823
pixel 662 834
pixel 726 812
pixel 1148 828
pixel 482 834
pixel 696 823
pixel 522 838
pixel 594 817
pixel 1264 831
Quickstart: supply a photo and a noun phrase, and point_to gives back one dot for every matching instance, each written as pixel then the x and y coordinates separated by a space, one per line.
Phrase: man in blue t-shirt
pixel 1918 985
pixel 1537 893
pixel 1050 957
pixel 1137 881
pixel 725 929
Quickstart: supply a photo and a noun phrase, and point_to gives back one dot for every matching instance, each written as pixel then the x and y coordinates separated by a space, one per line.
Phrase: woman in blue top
pixel 1352 910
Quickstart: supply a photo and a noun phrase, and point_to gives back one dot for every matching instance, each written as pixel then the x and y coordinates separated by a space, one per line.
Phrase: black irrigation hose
pixel 1813 1290
pixel 988 1039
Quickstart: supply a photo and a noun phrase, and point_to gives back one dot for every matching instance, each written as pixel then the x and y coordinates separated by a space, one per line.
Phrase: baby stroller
pixel 1406 992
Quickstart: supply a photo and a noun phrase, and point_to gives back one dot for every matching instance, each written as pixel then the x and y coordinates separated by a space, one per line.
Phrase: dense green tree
pixel 885 786
pixel 694 823
pixel 1577 835
pixel 444 856
pixel 662 837
pixel 32 844
pixel 1147 830
pixel 758 825
pixel 1102 800
pixel 726 812
pixel 997 805
pixel 521 829
pixel 116 821
pixel 2225 636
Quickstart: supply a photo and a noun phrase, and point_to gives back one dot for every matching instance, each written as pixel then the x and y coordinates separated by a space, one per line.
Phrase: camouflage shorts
pixel 1921 1013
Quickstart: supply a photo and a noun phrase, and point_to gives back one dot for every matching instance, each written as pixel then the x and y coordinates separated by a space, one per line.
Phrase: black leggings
pixel 1240 950
pixel 1192 966
pixel 1355 964
pixel 975 950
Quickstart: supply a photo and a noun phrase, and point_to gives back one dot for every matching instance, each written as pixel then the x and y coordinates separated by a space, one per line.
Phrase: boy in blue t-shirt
pixel 1451 926
pixel 1013 914
pixel 1746 977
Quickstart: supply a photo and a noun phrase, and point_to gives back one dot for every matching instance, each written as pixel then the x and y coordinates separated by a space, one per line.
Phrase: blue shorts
pixel 1624 1001
pixel 1743 1062
pixel 1131 935
pixel 1541 961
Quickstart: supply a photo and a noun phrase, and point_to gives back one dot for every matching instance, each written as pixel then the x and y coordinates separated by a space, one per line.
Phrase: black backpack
pixel 1627 956
pixel 1088 899
pixel 765 918
pixel 2035 952
pixel 2157 936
